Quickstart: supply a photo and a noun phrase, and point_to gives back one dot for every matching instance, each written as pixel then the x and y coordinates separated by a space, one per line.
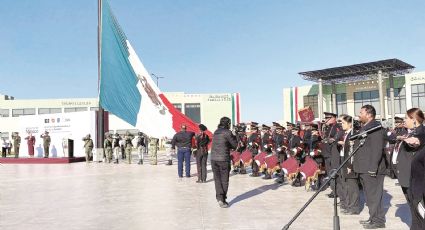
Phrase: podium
pixel 68 147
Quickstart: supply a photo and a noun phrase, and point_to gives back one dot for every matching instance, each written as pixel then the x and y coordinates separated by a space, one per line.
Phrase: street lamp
pixel 153 75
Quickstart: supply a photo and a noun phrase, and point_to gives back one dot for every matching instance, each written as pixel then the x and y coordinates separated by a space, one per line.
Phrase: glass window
pixel 365 98
pixel 4 113
pixel 75 109
pixel 21 112
pixel 341 103
pixel 193 111
pixel 313 102
pixel 49 110
pixel 399 100
pixel 178 106
pixel 418 94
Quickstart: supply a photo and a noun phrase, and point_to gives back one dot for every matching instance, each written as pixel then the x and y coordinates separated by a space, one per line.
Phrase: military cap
pixel 296 128
pixel 290 124
pixel 253 123
pixel 329 115
pixel 265 126
pixel 314 127
pixel 398 119
pixel 140 133
pixel 202 127
pixel 275 123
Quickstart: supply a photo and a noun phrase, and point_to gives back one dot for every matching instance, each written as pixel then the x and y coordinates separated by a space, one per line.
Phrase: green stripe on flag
pixel 233 110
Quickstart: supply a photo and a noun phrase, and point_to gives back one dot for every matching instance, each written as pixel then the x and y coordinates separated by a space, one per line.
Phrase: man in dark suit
pixel 369 164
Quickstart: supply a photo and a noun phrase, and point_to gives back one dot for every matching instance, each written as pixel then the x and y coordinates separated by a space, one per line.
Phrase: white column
pixel 381 95
pixel 392 107
pixel 320 98
pixel 334 107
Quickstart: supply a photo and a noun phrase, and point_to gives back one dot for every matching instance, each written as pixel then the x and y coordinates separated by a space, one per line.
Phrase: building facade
pixel 202 108
pixel 409 91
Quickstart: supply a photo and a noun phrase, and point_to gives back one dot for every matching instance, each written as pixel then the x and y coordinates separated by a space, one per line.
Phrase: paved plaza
pixel 109 196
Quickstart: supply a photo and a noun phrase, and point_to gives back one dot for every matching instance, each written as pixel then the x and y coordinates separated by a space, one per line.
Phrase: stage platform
pixel 27 160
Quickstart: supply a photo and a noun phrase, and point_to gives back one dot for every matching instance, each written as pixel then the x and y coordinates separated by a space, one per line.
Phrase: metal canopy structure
pixel 358 72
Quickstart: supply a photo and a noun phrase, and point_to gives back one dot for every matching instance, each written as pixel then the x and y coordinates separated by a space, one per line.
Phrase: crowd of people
pixel 307 154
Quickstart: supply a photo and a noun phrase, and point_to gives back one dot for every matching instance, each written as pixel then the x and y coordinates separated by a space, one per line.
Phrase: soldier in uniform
pixel 369 163
pixel 395 139
pixel 116 147
pixel 140 147
pixel 46 143
pixel 128 145
pixel 153 150
pixel 88 147
pixel 242 145
pixel 254 142
pixel 16 143
pixel 168 150
pixel 278 140
pixel 329 144
pixel 107 145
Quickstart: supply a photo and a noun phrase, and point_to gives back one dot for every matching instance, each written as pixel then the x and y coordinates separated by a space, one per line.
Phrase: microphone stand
pixel 333 176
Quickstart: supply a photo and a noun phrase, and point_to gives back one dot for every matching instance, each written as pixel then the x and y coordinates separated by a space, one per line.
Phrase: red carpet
pixel 61 160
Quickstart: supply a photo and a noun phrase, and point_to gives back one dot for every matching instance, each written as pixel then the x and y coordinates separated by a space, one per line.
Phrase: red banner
pixel 306 114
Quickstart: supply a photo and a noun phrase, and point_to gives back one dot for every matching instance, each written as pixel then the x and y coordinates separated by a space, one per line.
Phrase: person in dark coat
pixel 202 141
pixel 406 151
pixel 369 163
pixel 350 186
pixel 394 138
pixel 223 141
pixel 183 141
pixel 417 190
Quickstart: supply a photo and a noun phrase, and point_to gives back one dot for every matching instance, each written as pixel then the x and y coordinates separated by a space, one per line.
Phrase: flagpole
pixel 100 128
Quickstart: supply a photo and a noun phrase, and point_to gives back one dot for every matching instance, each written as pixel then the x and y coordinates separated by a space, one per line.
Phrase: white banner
pixel 60 126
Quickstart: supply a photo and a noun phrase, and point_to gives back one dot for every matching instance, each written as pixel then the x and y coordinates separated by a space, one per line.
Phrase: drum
pixel 259 159
pixel 309 168
pixel 309 172
pixel 236 158
pixel 272 163
pixel 246 157
pixel 289 166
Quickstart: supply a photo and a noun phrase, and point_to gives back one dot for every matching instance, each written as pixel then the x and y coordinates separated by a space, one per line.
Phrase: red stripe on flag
pixel 238 115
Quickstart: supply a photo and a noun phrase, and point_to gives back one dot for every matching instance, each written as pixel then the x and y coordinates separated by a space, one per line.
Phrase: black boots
pixel 140 162
pixel 170 162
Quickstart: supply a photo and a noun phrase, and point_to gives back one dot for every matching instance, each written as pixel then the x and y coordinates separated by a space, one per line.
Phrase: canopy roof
pixel 358 72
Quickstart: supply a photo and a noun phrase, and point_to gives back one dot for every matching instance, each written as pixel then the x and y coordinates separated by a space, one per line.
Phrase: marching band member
pixel 254 142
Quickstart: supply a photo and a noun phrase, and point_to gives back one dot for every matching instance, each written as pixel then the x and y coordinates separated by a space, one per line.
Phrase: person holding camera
pixel 369 164
pixel 223 141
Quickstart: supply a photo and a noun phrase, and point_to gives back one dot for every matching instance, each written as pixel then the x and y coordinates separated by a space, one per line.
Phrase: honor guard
pixel 128 145
pixel 242 139
pixel 140 147
pixel 116 147
pixel 153 149
pixel 16 143
pixel 46 143
pixel 107 145
pixel 88 147
pixel 254 142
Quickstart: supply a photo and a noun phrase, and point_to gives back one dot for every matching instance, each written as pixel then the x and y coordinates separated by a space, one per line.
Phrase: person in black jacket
pixel 202 141
pixel 223 141
pixel 406 151
pixel 417 189
pixel 183 141
pixel 394 138
pixel 369 163
pixel 349 179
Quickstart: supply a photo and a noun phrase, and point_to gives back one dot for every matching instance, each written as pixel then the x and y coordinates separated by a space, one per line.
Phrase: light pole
pixel 153 75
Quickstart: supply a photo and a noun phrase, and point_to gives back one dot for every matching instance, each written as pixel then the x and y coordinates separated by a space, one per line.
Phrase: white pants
pixel 117 151
pixel 140 152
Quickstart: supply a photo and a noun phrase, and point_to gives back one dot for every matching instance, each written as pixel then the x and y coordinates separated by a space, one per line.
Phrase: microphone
pixel 364 133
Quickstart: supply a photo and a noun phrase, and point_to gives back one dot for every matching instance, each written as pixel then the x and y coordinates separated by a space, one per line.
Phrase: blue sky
pixel 48 49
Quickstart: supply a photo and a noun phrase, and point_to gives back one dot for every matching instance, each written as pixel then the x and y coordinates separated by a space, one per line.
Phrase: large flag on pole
pixel 126 88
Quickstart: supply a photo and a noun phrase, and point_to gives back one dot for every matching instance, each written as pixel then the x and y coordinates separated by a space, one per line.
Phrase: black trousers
pixel 351 190
pixel 201 165
pixel 373 188
pixel 417 222
pixel 221 170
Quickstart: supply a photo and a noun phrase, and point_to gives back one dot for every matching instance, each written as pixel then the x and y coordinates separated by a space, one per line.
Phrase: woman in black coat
pixel 349 180
pixel 408 147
